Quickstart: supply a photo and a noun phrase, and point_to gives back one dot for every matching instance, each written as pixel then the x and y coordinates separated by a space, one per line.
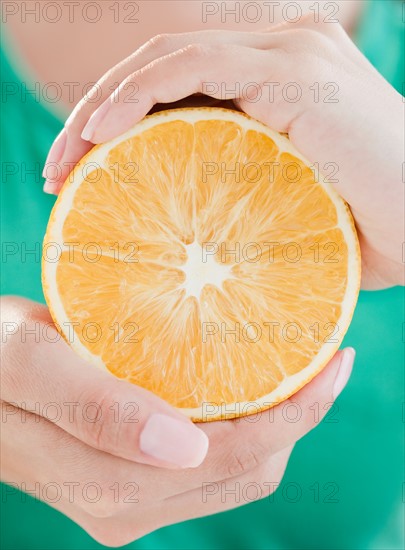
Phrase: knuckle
pixel 197 51
pixel 112 533
pixel 269 485
pixel 92 99
pixel 159 41
pixel 269 478
pixel 98 424
pixel 270 474
pixel 114 495
pixel 104 507
pixel 244 460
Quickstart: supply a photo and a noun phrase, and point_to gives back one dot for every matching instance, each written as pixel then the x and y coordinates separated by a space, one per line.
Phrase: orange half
pixel 200 256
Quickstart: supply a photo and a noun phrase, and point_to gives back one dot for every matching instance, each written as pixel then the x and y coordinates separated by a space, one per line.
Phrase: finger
pixel 248 441
pixel 210 498
pixel 290 35
pixel 109 531
pixel 98 491
pixel 113 511
pixel 235 446
pixel 215 70
pixel 199 68
pixel 114 500
pixel 239 446
pixel 62 458
pixel 40 372
pixel 218 496
pixel 69 147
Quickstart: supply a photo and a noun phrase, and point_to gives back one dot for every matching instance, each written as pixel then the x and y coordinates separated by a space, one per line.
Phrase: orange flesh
pixel 169 191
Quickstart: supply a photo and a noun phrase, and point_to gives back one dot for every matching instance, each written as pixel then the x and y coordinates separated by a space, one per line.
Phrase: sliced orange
pixel 200 256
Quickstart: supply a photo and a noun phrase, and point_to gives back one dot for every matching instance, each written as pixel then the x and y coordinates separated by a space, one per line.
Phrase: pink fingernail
pixel 50 187
pixel 174 441
pixel 94 120
pixel 345 369
pixel 56 151
pixel 51 174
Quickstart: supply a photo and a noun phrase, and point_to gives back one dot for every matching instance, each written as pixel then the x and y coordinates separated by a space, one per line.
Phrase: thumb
pixel 41 373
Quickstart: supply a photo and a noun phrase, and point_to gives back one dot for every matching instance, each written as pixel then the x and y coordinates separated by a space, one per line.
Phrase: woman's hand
pixel 339 113
pixel 78 438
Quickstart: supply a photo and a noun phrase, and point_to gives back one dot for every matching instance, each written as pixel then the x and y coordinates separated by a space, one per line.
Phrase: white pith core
pixel 202 269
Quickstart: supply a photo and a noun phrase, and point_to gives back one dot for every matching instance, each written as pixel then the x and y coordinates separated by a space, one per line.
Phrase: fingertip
pixel 173 441
pixel 344 371
pixel 55 152
pixel 94 122
pixel 50 187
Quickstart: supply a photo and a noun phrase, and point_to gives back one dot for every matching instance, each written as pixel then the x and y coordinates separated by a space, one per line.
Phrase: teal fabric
pixel 343 488
pixel 381 37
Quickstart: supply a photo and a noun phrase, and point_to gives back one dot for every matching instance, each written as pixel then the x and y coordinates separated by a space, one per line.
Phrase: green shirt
pixel 343 488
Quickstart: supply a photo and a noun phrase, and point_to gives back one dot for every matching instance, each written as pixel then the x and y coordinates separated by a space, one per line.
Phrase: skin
pixel 238 450
pixel 52 55
pixel 36 448
pixel 324 132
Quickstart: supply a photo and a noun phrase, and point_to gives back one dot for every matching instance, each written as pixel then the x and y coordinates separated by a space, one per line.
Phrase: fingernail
pixel 174 441
pixel 55 152
pixel 345 369
pixel 94 120
pixel 50 187
pixel 51 174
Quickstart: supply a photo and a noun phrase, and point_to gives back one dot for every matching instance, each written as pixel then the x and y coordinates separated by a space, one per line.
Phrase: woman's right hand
pixel 358 134
pixel 118 460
